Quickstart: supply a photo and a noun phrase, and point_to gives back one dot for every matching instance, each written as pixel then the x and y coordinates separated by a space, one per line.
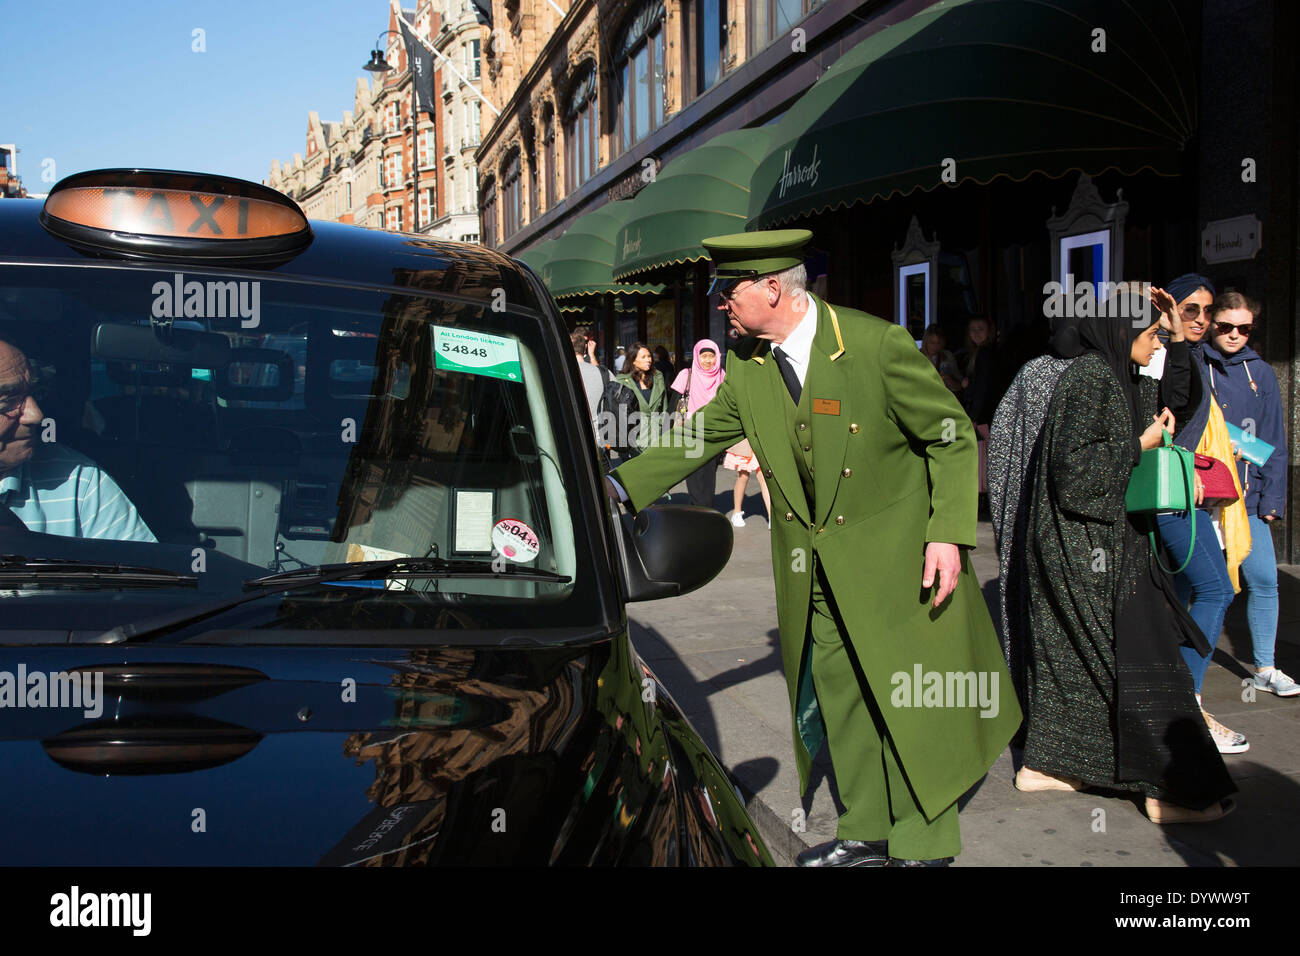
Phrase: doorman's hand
pixel 946 559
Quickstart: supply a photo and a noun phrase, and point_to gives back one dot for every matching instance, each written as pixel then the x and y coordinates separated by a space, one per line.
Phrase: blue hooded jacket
pixel 1230 376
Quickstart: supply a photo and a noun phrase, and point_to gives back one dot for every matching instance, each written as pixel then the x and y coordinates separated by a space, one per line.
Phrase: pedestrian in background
pixel 1211 577
pixel 1012 456
pixel 651 393
pixel 593 382
pixel 1247 393
pixel 1110 703
pixel 663 364
pixel 934 347
pixel 741 459
pixel 983 380
pixel 620 359
pixel 697 385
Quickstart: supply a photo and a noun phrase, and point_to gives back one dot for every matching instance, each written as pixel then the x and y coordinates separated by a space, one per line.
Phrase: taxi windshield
pixel 175 438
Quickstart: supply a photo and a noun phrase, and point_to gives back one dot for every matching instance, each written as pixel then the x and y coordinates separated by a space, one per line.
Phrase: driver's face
pixel 20 416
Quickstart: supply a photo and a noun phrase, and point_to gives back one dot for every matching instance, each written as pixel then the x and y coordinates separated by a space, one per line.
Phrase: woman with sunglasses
pixel 1208 582
pixel 1247 392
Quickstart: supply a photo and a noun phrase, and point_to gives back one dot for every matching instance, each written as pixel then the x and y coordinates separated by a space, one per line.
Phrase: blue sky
pixel 92 84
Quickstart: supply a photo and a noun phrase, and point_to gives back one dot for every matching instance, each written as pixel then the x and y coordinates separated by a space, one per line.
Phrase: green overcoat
pixel 895 466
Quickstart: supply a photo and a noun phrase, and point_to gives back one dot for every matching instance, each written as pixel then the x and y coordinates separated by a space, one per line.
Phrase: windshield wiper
pixel 404 568
pixel 16 568
pixel 301 578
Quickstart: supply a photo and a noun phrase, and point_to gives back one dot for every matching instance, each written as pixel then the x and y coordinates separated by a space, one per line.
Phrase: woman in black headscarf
pixel 1110 702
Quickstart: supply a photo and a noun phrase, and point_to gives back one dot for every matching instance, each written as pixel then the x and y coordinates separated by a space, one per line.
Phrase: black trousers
pixel 702 483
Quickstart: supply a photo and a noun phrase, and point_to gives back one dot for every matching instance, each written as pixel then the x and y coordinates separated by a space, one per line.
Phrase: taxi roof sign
pixel 168 214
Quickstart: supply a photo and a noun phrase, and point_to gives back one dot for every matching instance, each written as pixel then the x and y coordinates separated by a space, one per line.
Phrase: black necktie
pixel 788 374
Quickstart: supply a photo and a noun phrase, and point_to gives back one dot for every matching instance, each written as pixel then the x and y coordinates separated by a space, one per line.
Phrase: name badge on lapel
pixel 826 406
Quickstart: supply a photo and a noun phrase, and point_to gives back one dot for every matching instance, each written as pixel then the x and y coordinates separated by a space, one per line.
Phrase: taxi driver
pixel 48 487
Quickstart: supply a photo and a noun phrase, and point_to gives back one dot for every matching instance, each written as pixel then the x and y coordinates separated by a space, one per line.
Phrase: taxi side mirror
pixel 671 550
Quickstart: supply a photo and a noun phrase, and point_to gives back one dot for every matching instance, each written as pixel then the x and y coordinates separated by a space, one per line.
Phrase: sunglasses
pixel 1226 328
pixel 1191 310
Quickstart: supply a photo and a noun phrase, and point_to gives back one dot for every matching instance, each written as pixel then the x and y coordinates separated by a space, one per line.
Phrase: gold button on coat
pixel 853 427
pixel 847 472
pixel 802 426
pixel 789 516
pixel 767 472
pixel 839 519
pixel 807 447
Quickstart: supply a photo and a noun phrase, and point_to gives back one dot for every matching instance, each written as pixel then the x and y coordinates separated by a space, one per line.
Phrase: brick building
pixel 360 170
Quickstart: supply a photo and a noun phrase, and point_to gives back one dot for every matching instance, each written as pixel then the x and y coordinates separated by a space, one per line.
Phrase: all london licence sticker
pixel 476 353
pixel 515 540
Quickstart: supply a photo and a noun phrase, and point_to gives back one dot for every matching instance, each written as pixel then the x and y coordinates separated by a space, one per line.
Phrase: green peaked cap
pixel 745 255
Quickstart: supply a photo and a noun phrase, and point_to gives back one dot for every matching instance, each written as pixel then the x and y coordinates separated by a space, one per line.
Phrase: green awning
pixel 581 262
pixel 702 193
pixel 985 89
pixel 536 257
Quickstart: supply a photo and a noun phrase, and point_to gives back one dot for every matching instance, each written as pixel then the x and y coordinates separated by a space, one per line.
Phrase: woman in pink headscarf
pixel 698 384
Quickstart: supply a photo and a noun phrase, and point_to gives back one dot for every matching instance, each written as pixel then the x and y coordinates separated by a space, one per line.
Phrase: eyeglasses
pixel 1191 310
pixel 1226 328
pixel 728 295
pixel 14 402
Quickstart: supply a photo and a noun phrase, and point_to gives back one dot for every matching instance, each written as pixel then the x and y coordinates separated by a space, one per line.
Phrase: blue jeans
pixel 1204 582
pixel 1259 576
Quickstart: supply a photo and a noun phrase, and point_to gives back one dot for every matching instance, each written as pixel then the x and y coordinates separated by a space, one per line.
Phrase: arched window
pixel 582 130
pixel 511 204
pixel 487 205
pixel 639 68
pixel 548 156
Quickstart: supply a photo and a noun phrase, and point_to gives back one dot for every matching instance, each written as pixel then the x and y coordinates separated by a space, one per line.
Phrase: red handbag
pixel 1216 480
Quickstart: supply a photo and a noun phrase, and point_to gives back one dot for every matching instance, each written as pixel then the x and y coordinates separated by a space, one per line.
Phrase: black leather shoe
pixel 942 861
pixel 845 853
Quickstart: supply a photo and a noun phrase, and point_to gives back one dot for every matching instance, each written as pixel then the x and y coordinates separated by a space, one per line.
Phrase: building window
pixel 488 207
pixel 393 172
pixel 548 158
pixel 532 187
pixel 426 206
pixel 640 75
pixel 769 19
pixel 391 118
pixel 469 237
pixel 582 131
pixel 395 219
pixel 473 60
pixel 348 188
pixel 708 23
pixel 511 206
pixel 473 124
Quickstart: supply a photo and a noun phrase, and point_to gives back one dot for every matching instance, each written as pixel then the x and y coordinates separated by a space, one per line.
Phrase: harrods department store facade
pixel 953 158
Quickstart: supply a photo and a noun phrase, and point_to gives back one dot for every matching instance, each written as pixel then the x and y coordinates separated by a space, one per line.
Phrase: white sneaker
pixel 738 519
pixel 1275 682
pixel 1228 741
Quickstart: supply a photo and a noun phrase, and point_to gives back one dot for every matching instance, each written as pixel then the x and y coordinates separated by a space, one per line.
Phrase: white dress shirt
pixel 797 347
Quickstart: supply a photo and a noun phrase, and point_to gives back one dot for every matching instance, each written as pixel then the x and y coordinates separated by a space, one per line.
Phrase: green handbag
pixel 1162 483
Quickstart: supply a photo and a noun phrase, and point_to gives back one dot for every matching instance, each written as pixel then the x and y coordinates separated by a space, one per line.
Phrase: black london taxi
pixel 304 555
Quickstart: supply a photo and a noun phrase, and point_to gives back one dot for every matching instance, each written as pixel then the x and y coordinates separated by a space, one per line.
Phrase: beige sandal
pixel 1164 812
pixel 1032 781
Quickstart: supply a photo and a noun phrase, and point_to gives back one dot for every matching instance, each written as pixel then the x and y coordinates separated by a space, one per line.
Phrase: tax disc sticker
pixel 476 353
pixel 515 540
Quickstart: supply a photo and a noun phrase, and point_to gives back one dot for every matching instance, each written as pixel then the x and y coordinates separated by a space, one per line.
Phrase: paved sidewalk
pixel 716 650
